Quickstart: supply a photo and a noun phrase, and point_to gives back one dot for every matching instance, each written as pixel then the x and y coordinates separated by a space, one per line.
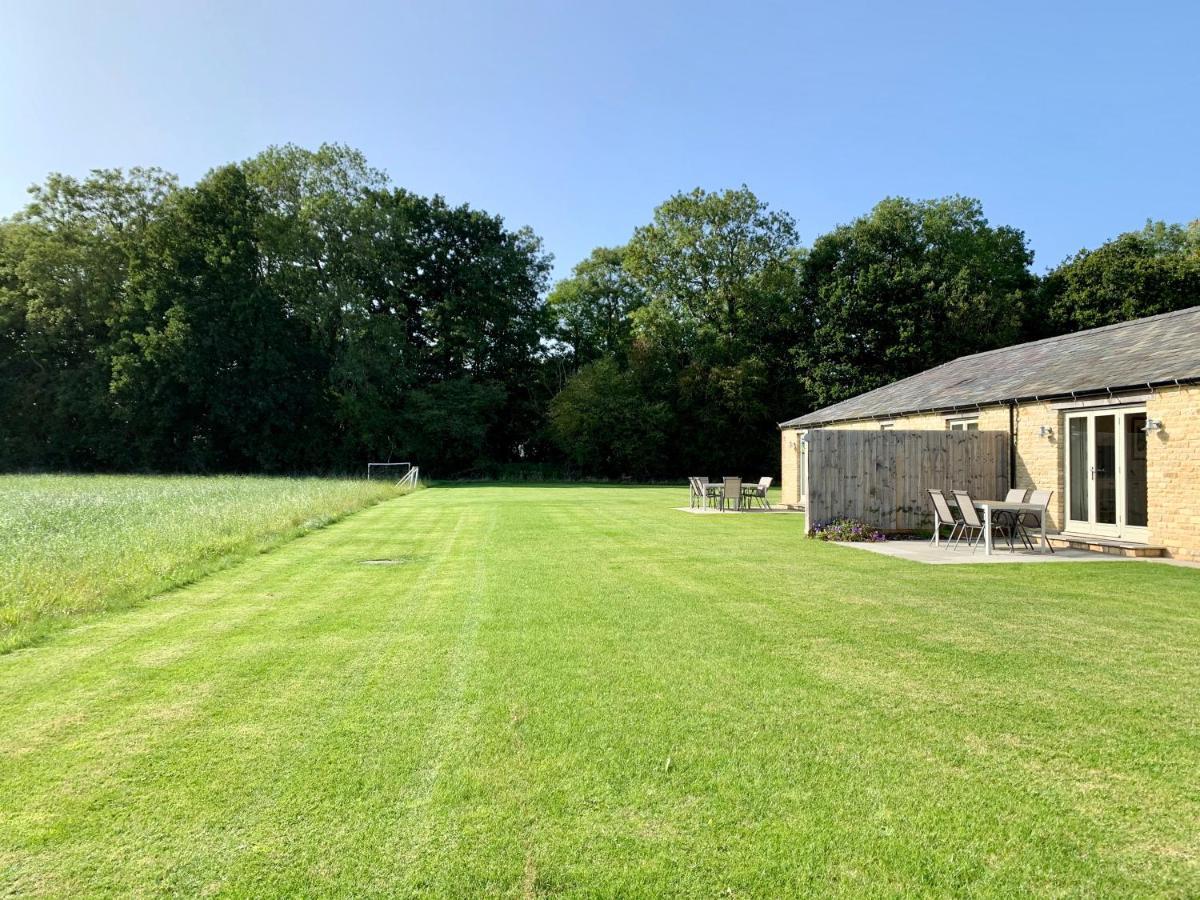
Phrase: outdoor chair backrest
pixel 966 506
pixel 733 486
pixel 941 505
pixel 694 484
pixel 1041 498
pixel 1015 495
pixel 764 484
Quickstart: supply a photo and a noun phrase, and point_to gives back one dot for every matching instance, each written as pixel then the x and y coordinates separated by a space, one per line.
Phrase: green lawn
pixel 72 545
pixel 581 691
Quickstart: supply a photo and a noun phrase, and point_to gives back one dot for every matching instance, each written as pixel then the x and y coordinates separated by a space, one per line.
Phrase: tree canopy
pixel 906 287
pixel 298 312
pixel 1139 273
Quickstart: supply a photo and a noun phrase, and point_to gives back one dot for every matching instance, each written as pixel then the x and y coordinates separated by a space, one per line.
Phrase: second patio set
pixel 728 492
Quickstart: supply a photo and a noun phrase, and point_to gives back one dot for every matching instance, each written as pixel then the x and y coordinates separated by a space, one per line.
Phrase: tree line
pixel 298 312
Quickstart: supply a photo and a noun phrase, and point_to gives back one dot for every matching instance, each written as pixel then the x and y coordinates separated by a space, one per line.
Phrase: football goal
pixel 400 471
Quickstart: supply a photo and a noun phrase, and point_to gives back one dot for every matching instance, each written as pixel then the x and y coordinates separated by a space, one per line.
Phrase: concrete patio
pixel 923 552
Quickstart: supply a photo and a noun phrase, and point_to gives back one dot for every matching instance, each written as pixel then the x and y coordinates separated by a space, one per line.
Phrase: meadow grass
pixel 582 692
pixel 73 545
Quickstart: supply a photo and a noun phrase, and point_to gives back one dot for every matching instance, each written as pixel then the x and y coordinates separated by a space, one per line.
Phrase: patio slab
pixel 924 552
pixel 710 511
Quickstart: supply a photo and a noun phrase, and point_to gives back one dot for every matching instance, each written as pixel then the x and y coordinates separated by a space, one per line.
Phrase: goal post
pixel 399 469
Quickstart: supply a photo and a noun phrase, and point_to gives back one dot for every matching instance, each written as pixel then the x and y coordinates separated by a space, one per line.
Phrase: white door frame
pixel 1119 528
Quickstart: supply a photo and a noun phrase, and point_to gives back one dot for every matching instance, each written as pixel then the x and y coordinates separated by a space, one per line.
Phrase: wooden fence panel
pixel 881 477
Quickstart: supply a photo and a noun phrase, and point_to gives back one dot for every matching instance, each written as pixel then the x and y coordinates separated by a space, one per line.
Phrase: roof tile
pixel 1153 350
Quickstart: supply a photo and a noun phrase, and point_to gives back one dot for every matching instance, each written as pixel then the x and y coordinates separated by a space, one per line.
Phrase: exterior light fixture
pixel 1045 431
pixel 1152 425
pixel 804 438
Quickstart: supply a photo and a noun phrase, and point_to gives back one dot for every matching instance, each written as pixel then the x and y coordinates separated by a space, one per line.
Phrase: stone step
pixel 1112 546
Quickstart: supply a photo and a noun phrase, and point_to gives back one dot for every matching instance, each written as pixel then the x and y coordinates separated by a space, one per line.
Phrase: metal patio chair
pixel 945 516
pixel 731 490
pixel 973 525
pixel 752 492
pixel 1009 522
pixel 1029 522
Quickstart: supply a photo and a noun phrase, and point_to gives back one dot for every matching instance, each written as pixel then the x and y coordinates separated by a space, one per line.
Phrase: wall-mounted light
pixel 1152 425
pixel 804 438
pixel 1045 431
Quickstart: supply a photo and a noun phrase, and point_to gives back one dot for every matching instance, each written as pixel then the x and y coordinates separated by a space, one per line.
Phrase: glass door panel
pixel 1077 464
pixel 1104 478
pixel 1135 470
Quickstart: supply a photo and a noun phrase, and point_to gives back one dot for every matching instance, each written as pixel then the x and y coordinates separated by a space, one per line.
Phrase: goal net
pixel 388 470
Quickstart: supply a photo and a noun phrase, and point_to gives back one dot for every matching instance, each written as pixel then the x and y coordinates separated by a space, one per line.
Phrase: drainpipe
pixel 1012 443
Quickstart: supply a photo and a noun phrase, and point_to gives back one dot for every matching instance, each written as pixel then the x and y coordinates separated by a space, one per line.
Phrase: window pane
pixel 972 426
pixel 1106 470
pixel 1077 448
pixel 1135 470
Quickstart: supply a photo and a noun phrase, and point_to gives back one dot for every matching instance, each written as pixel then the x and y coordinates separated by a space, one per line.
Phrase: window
pixel 962 424
pixel 886 426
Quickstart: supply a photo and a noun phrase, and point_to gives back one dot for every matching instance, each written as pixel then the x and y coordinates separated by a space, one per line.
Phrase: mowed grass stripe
pixel 295 654
pixel 580 691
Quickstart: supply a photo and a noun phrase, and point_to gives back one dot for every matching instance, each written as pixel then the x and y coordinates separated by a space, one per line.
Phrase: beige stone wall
pixel 1173 470
pixel 1040 459
pixel 790 467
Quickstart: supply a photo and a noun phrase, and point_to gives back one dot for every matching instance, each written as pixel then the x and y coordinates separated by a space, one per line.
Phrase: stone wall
pixel 1173 471
pixel 790 467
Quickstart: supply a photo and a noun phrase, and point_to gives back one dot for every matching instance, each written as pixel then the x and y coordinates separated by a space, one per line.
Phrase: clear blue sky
pixel 1072 121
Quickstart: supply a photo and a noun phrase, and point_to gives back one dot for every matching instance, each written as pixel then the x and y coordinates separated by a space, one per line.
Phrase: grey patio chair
pixel 752 492
pixel 1028 522
pixel 704 490
pixel 945 516
pixel 1009 521
pixel 972 523
pixel 731 490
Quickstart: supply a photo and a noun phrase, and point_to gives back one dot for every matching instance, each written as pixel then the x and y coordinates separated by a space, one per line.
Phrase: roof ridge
pixel 1073 334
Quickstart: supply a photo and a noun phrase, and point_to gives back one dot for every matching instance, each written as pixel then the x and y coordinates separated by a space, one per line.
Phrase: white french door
pixel 1106 473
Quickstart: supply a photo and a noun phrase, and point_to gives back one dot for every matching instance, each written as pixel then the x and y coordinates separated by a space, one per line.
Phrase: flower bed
pixel 847 530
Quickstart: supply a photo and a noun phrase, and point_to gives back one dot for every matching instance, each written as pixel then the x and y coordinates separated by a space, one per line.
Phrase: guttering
pixel 1012 443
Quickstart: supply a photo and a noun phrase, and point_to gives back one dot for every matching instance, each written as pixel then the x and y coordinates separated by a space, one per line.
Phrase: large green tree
pixel 708 290
pixel 592 309
pixel 64 261
pixel 908 286
pixel 1140 273
pixel 209 370
pixel 712 263
pixel 607 425
pixel 294 310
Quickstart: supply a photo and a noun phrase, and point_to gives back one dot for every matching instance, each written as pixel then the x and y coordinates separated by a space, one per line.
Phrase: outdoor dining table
pixel 990 506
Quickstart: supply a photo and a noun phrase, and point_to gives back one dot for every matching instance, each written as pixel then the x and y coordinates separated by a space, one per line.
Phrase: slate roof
pixel 1156 350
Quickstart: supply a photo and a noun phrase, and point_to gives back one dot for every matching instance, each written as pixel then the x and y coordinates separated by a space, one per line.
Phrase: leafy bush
pixel 847 530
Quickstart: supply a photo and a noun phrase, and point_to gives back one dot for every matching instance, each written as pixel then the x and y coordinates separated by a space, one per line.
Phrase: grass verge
pixel 75 545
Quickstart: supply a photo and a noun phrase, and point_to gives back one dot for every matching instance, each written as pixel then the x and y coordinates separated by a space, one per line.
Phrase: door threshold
pixel 1100 544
